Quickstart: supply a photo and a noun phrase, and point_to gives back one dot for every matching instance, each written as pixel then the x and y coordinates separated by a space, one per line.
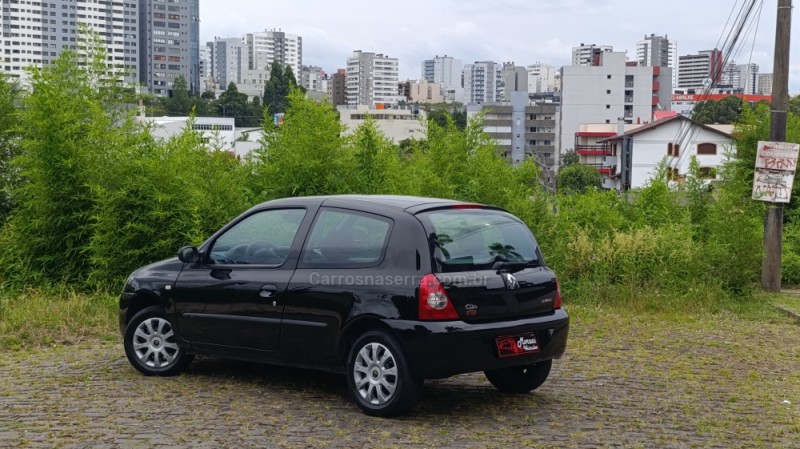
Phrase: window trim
pixel 302 264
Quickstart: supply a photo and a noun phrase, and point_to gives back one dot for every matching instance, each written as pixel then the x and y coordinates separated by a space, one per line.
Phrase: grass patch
pixel 787 301
pixel 58 316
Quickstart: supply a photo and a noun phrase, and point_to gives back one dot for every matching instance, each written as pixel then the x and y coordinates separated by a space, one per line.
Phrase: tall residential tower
pixel 372 79
pixel 658 51
pixel 35 33
pixel 169 44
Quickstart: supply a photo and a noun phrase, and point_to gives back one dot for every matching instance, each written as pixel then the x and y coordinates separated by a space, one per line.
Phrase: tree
pixel 67 127
pixel 725 111
pixel 304 156
pixel 570 157
pixel 577 178
pixel 281 82
pixel 439 113
pixel 9 143
pixel 232 103
pixel 179 104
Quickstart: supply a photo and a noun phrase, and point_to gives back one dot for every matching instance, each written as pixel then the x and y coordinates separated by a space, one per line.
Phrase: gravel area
pixel 626 382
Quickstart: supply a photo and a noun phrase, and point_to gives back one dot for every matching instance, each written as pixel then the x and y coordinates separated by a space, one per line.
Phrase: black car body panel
pixel 298 309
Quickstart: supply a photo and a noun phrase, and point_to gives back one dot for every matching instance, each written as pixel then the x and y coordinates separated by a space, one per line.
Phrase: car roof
pixel 410 204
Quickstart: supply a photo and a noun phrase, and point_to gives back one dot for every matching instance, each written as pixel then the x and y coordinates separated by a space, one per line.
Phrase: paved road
pixel 692 388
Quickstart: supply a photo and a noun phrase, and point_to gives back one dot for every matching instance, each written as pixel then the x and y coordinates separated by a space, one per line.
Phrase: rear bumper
pixel 446 348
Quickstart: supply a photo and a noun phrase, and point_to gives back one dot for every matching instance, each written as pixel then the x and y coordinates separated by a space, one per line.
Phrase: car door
pixel 335 274
pixel 233 298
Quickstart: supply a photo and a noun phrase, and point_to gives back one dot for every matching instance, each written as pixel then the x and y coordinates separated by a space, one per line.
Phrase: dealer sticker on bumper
pixel 512 345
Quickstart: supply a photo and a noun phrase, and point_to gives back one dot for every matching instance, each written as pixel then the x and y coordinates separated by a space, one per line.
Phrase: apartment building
pixel 371 79
pixel 586 54
pixel 542 78
pixel 33 34
pixel 514 79
pixel 697 71
pixel 658 51
pixel 743 78
pixel 420 91
pixel 523 129
pixel 445 71
pixel 483 82
pixel 274 45
pixel 764 84
pixel 337 88
pixel 608 90
pixel 228 61
pixel 169 43
pixel 313 79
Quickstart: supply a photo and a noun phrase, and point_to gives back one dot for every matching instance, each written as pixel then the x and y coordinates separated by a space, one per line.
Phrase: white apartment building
pixel 659 51
pixel 444 70
pixel 371 79
pixel 608 91
pixel 542 78
pixel 267 46
pixel 483 82
pixel 585 54
pixel 34 33
pixel 697 71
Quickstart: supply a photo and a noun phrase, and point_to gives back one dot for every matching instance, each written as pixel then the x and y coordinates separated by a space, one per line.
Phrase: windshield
pixel 476 239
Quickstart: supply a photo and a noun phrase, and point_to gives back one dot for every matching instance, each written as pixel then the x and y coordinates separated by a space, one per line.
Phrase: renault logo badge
pixel 510 281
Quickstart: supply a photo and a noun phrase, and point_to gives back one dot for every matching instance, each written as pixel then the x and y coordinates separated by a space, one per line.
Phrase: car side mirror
pixel 188 254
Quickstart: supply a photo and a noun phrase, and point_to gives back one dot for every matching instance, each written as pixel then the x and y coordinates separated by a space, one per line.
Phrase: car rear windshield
pixel 476 239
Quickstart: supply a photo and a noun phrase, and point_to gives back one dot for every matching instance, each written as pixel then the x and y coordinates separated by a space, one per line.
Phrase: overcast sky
pixel 522 31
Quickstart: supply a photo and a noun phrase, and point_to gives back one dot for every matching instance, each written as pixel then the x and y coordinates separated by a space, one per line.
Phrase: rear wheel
pixel 151 345
pixel 379 376
pixel 520 379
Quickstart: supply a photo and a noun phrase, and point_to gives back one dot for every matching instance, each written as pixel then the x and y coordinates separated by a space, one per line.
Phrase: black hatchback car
pixel 388 290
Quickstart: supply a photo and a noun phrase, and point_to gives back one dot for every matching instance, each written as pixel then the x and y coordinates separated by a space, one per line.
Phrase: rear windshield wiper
pixel 512 267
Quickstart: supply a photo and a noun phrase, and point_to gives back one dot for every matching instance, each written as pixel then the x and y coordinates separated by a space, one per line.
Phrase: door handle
pixel 219 273
pixel 268 290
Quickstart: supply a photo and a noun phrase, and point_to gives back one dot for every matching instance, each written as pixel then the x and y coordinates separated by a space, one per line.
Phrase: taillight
pixel 434 305
pixel 558 302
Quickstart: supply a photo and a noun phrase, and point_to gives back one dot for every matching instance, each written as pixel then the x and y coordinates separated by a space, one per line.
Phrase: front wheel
pixel 379 377
pixel 151 345
pixel 520 379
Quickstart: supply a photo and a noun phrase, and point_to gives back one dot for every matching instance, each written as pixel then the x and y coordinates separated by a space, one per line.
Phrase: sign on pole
pixel 776 163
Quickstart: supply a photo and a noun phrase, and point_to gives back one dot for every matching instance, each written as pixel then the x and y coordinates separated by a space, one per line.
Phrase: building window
pixel 608 77
pixel 669 149
pixel 707 148
pixel 608 91
pixel 608 106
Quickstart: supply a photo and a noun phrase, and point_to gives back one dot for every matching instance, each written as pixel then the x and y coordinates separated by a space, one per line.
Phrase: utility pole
pixel 773 223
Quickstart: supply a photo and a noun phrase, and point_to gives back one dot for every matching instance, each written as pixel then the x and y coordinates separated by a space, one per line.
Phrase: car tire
pixel 379 377
pixel 151 344
pixel 520 379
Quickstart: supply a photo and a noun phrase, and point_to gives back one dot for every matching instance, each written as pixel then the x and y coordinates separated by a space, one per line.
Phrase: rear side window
pixel 346 239
pixel 475 239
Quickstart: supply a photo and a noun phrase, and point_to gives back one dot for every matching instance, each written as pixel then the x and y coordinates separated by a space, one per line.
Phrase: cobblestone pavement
pixel 622 384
